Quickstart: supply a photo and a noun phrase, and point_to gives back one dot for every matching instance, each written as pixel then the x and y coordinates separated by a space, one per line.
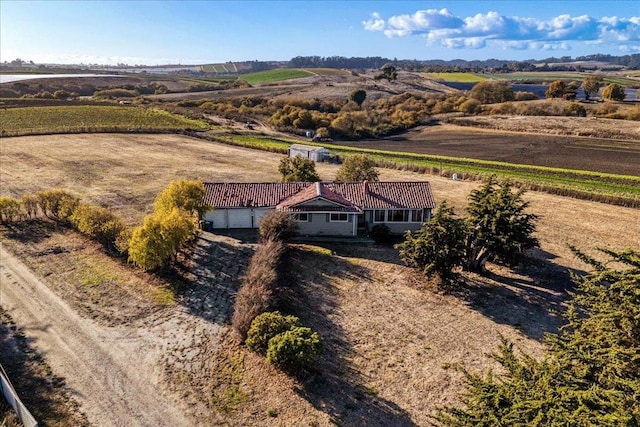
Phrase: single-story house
pixel 321 208
pixel 317 154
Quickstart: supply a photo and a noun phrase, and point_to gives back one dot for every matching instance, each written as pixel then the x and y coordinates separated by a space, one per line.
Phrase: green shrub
pixel 266 326
pixel 381 234
pixel 294 349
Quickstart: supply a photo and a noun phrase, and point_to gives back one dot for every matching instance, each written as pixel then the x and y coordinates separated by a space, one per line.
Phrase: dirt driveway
pixel 112 372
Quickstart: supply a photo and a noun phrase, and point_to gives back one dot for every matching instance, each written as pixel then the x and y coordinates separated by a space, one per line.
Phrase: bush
pixel 575 109
pixel 526 96
pixel 98 223
pixel 470 106
pixel 56 203
pixel 251 300
pixel 159 239
pixel 492 92
pixel 381 234
pixel 29 204
pixel 116 93
pixel 294 349
pixel 9 210
pixel 278 225
pixel 255 295
pixel 266 326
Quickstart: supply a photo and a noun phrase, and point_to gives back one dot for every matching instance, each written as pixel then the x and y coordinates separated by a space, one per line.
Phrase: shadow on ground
pixel 370 251
pixel 42 392
pixel 31 230
pixel 530 298
pixel 334 386
pixel 212 275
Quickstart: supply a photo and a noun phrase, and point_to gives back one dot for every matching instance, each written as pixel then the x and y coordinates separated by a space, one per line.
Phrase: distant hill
pixel 601 62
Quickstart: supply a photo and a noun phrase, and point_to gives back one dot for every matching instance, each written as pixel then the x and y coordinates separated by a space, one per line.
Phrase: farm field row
pixel 62 119
pixel 615 188
pixel 552 163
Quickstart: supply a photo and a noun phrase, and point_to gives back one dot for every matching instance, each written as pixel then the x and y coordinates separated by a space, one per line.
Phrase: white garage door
pixel 258 214
pixel 219 218
pixel 239 218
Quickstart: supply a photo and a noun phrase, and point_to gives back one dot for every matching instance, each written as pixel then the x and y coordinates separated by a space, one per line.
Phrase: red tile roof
pixel 315 192
pixel 365 195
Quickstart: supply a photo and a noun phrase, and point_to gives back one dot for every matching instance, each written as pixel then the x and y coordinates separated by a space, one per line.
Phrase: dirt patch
pixel 505 145
pixel 96 285
pixel 571 126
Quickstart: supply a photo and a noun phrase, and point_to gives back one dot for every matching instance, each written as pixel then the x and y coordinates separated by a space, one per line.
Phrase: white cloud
pixel 376 23
pixel 512 32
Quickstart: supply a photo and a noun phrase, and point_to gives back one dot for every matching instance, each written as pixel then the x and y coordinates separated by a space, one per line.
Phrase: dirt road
pixel 113 372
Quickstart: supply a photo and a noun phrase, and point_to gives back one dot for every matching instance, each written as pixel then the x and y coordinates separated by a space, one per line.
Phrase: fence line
pixel 10 394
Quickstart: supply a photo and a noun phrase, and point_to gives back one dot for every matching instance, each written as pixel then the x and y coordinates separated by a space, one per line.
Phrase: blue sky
pixel 193 32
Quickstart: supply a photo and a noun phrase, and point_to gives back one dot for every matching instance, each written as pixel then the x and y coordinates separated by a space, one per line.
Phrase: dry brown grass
pixel 389 337
pixel 125 172
pixel 96 285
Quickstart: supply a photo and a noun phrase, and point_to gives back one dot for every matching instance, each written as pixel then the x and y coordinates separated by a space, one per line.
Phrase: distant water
pixel 8 78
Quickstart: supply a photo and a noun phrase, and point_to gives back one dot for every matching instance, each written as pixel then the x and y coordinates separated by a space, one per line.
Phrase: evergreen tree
pixel 591 375
pixel 499 227
pixel 438 247
pixel 358 96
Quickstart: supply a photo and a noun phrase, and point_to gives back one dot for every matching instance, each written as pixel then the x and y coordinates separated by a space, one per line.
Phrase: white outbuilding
pixel 317 154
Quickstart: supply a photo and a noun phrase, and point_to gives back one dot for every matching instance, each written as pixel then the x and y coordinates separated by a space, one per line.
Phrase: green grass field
pixel 609 188
pixel 272 76
pixel 456 77
pixel 63 119
pixel 327 71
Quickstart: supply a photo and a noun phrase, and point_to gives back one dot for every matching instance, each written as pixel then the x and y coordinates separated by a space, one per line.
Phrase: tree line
pixel 436 65
pixel 152 245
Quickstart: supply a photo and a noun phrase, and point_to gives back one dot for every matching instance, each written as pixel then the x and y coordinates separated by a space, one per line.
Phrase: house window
pixel 398 215
pixel 416 215
pixel 378 215
pixel 301 217
pixel 339 217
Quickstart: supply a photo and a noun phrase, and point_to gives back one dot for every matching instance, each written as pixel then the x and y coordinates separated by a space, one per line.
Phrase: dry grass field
pixel 390 339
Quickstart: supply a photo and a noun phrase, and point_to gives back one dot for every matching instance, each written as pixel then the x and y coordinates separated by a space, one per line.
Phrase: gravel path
pixel 112 372
pixel 123 375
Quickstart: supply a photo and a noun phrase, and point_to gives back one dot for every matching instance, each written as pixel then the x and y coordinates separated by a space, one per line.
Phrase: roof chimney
pixel 365 187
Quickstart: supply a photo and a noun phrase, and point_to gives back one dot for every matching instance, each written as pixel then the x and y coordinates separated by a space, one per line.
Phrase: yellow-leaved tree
pixel 165 232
